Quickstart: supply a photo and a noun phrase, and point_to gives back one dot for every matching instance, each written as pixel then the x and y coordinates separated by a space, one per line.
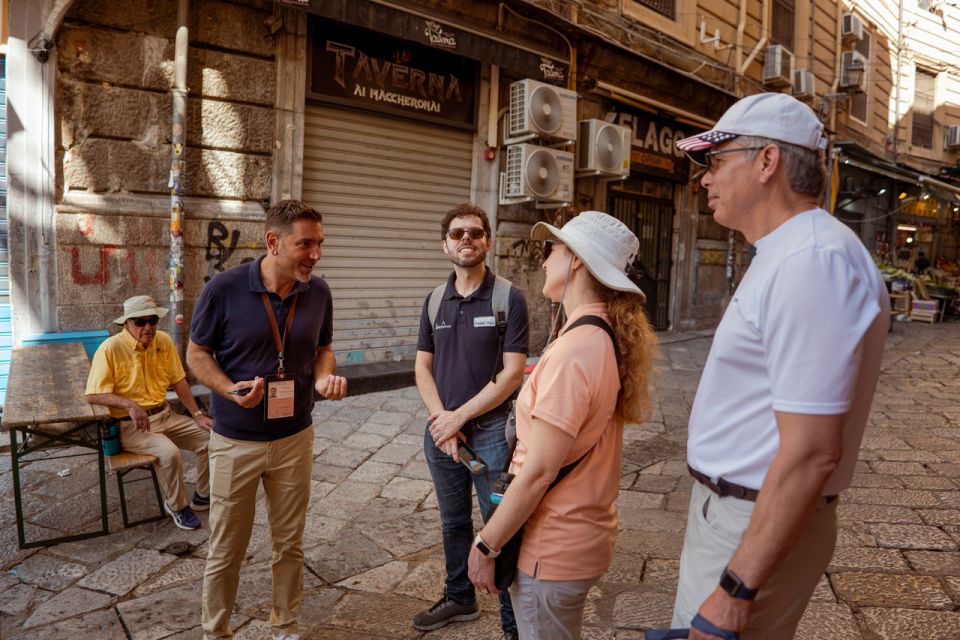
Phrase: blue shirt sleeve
pixel 326 330
pixel 518 324
pixel 425 337
pixel 206 324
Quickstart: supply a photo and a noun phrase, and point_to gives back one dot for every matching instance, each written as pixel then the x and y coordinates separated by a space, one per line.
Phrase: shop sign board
pixel 357 67
pixel 652 143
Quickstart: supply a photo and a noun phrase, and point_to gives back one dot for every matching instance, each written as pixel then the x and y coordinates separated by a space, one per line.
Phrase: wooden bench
pixel 122 464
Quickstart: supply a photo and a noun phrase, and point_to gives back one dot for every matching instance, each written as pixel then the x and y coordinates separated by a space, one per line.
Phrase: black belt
pixel 723 488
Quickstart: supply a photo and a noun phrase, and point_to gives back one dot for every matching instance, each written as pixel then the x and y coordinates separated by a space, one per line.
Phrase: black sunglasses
pixel 475 233
pixel 145 320
pixel 548 247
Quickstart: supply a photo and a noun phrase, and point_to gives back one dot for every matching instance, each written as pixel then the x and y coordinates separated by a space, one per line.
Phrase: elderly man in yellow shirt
pixel 130 374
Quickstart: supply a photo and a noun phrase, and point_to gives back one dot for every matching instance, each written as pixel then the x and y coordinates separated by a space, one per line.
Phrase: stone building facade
pixel 385 113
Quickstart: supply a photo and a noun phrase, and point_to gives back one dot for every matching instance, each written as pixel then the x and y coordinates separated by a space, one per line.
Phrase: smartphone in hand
pixel 469 458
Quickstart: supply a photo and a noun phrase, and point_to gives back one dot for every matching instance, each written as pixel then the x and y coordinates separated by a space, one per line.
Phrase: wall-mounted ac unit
pixel 953 136
pixel 603 148
pixel 851 27
pixel 542 110
pixel 541 173
pixel 853 72
pixel 777 66
pixel 804 84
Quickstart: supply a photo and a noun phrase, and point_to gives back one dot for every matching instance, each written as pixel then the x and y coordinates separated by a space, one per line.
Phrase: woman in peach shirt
pixel 572 410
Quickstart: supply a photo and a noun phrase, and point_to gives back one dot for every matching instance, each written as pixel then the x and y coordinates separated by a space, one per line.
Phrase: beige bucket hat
pixel 138 307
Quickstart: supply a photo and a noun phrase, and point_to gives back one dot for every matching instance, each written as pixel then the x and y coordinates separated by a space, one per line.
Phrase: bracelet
pixel 197 413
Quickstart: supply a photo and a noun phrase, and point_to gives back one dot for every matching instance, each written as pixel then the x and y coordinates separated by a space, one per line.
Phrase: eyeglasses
pixel 710 155
pixel 475 233
pixel 144 321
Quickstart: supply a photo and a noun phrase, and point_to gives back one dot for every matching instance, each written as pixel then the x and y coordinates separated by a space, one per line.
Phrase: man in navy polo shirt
pixel 457 356
pixel 260 340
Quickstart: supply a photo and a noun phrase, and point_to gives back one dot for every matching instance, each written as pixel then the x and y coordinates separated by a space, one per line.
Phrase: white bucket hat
pixel 138 307
pixel 776 116
pixel 604 244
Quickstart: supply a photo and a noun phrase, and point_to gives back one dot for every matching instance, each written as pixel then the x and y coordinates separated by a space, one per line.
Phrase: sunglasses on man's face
pixel 475 233
pixel 144 321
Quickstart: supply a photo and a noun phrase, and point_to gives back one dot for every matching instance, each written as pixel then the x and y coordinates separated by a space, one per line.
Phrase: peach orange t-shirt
pixel 574 387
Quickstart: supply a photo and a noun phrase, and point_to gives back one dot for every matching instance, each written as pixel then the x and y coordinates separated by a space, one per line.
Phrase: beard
pixel 468 261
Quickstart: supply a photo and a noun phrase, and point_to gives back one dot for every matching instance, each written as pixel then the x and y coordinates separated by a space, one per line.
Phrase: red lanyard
pixel 280 341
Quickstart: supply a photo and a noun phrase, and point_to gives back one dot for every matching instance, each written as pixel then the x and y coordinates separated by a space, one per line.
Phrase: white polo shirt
pixel 804 333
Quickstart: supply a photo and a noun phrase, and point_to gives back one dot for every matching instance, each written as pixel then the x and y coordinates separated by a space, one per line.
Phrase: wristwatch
pixel 733 585
pixel 197 413
pixel 484 548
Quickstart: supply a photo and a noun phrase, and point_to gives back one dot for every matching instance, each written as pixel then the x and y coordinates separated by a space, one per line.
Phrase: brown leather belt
pixel 152 411
pixel 723 488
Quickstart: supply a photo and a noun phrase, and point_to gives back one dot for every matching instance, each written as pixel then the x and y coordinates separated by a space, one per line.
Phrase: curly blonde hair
pixel 637 351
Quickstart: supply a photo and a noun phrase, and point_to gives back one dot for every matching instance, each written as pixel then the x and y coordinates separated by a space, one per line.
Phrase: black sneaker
pixel 510 635
pixel 444 611
pixel 200 502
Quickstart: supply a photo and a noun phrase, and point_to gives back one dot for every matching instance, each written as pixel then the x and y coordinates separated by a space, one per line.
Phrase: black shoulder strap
pixel 595 321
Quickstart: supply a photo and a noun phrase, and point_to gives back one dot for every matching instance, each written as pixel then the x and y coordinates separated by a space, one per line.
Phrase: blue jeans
pixel 452 482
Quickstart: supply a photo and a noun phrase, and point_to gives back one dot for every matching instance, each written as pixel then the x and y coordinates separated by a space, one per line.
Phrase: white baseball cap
pixel 776 116
pixel 604 244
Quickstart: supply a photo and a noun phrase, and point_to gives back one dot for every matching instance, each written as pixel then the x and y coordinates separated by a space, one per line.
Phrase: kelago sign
pixel 354 66
pixel 652 143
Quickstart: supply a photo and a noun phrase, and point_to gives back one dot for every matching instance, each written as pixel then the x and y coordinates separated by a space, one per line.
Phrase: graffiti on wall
pixel 221 243
pixel 526 248
pixel 100 275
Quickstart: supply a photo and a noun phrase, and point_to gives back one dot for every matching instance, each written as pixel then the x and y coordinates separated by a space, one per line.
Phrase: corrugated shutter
pixel 6 330
pixel 383 185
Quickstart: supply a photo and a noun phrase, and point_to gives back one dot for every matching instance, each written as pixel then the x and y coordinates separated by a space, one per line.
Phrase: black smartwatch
pixel 484 547
pixel 733 585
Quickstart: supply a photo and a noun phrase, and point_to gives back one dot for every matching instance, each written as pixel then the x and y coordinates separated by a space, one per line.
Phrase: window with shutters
pixel 923 107
pixel 783 22
pixel 859 101
pixel 666 8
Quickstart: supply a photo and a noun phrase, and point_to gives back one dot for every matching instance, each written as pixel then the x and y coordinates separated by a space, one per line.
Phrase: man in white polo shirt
pixel 783 401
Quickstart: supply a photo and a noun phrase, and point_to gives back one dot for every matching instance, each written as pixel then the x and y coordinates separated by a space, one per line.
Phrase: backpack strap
pixel 500 303
pixel 433 306
pixel 595 321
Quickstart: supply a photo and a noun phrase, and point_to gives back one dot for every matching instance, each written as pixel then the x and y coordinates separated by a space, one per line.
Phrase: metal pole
pixel 178 141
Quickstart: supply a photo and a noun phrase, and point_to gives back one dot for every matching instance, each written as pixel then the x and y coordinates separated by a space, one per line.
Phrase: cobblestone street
pixel 372 540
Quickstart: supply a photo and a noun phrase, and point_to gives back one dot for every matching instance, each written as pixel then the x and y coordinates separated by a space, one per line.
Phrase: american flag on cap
pixel 695 146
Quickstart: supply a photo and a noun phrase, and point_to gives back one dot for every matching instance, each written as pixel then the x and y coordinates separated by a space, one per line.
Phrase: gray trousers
pixel 549 609
pixel 715 527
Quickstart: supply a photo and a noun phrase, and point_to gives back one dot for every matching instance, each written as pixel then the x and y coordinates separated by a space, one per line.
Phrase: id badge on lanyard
pixel 280 388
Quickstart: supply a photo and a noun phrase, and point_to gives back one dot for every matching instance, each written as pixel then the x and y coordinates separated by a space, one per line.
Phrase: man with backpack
pixel 471 352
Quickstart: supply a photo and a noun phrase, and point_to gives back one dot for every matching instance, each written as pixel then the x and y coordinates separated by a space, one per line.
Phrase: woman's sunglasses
pixel 144 321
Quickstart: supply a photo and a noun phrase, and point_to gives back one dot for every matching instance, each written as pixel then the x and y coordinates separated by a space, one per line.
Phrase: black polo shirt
pixel 230 320
pixel 465 339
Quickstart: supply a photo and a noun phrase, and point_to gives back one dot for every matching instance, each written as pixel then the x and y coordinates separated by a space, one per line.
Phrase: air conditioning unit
pixel 804 84
pixel 543 110
pixel 777 66
pixel 851 27
pixel 853 72
pixel 541 173
pixel 603 148
pixel 953 136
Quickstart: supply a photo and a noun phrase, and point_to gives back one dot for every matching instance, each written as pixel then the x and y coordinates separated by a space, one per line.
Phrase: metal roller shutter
pixel 383 185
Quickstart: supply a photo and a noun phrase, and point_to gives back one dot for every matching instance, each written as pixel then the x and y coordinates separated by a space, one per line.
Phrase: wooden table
pixel 45 405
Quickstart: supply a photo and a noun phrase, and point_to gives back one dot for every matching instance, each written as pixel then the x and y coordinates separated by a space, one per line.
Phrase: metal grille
pixel 783 23
pixel 518 114
pixel 663 7
pixel 514 187
pixel 383 185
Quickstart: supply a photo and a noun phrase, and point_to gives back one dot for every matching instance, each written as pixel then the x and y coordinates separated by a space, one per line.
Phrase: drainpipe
pixel 178 141
pixel 738 42
pixel 764 29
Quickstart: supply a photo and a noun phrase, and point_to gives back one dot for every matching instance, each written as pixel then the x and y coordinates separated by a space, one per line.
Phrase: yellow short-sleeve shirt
pixel 122 366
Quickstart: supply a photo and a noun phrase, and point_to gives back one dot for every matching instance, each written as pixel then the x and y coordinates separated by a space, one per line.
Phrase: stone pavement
pixel 373 552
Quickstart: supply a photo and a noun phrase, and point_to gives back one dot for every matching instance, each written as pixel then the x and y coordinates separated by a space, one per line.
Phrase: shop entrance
pixel 651 220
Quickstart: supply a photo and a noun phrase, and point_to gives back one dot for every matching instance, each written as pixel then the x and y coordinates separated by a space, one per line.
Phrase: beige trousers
pixel 236 469
pixel 170 432
pixel 549 608
pixel 715 527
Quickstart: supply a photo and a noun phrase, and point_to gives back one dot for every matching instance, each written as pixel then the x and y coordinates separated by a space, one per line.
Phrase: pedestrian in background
pixel 469 365
pixel 569 427
pixel 785 393
pixel 260 340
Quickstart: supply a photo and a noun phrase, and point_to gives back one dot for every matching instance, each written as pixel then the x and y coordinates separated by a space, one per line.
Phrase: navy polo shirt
pixel 465 339
pixel 231 321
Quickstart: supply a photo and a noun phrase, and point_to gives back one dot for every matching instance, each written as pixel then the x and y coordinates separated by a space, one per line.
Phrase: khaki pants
pixel 715 527
pixel 170 432
pixel 236 469
pixel 549 609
